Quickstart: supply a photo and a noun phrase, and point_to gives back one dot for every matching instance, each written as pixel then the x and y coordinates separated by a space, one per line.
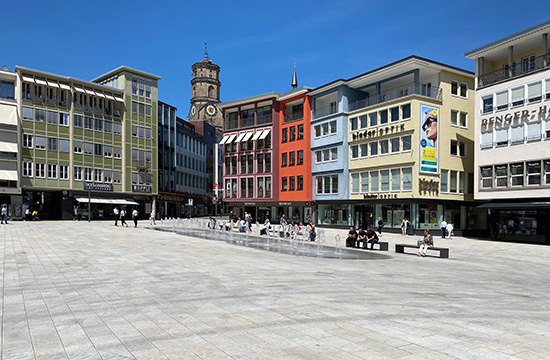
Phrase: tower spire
pixel 294 84
pixel 206 51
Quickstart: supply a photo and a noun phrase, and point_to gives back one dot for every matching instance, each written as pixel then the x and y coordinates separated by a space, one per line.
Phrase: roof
pixel 126 68
pixel 66 78
pixel 250 99
pixel 410 59
pixel 535 28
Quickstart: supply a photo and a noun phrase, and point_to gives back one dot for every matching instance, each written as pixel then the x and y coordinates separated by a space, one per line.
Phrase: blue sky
pixel 254 42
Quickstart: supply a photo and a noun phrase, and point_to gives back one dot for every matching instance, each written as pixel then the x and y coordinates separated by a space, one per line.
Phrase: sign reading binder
pixel 429 122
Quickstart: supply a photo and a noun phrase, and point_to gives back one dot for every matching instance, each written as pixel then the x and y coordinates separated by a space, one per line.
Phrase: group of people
pixel 292 229
pixel 361 238
pixel 447 229
pixel 121 215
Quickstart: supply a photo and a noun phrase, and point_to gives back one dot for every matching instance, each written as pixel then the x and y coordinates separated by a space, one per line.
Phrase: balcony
pixel 265 119
pixel 324 111
pixel 396 93
pixel 539 63
pixel 294 116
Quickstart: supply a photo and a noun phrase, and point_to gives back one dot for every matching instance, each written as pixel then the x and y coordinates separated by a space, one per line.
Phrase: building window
pixel 444 181
pixel 333 154
pixel 454 147
pixel 98 149
pixel 353 124
pixel 64 172
pixel 27 141
pixel 292 135
pixel 40 142
pixel 300 156
pixel 463 119
pixel 487 177
pixel 394 144
pixel 406 111
pixel 355 151
pixel 332 127
pixel 363 121
pixel 39 115
pixel 501 176
pixel 373 148
pixel 300 132
pixel 384 147
pixel 77 173
pixel 453 181
pixel 355 183
pixel 395 179
pixel 291 158
pixel 383 117
pixel 64 145
pixel 300 183
pixel 394 114
pixel 52 144
pixel 284 136
pixel 488 104
pixel 533 173
pixel 365 182
pixel 27 113
pixel 406 141
pixel 534 132
pixel 534 92
pixel 40 170
pixel 7 90
pixel 98 175
pixel 373 117
pixel 463 90
pixel 462 149
pixel 374 183
pixel 456 87
pixel 547 172
pixel 502 100
pixel 77 121
pixel 407 179
pixel 27 169
pixel 518 96
pixel 284 157
pixel 384 180
pixel 516 174
pixel 284 185
pixel 52 171
pixel 364 150
pixel 88 148
pixel 292 183
pixel 52 117
pixel 454 117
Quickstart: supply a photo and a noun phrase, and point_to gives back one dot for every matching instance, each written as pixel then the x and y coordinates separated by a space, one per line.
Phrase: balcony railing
pixel 324 111
pixel 540 62
pixel 264 119
pixel 294 116
pixel 396 93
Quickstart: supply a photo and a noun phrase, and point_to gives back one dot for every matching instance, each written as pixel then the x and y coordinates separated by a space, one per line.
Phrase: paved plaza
pixel 78 290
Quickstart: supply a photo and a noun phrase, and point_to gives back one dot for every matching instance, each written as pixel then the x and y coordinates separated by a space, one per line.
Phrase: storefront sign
pixel 379 196
pixel 249 204
pixel 141 188
pixel 428 187
pixel 506 119
pixel 368 134
pixel 168 197
pixel 429 123
pixel 97 186
pixel 285 204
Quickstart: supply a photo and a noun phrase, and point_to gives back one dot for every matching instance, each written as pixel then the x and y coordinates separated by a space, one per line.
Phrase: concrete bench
pixel 443 252
pixel 382 245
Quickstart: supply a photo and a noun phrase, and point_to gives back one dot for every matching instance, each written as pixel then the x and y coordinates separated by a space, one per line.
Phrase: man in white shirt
pixel 443 229
pixel 117 214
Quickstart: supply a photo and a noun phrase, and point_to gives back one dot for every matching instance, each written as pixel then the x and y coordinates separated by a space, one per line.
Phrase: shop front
pixel 297 211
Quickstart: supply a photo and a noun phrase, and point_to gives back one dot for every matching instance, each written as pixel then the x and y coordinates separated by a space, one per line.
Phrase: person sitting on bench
pixel 352 237
pixel 362 238
pixel 265 228
pixel 427 242
pixel 371 238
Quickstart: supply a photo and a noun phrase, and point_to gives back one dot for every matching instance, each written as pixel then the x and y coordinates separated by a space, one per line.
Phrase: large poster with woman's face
pixel 429 123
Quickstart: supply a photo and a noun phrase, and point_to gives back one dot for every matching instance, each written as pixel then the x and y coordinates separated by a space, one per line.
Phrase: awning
pixel 66 87
pixel 100 94
pixel 52 83
pixel 517 206
pixel 106 201
pixel 28 79
pixel 8 115
pixel 247 136
pixel 41 82
pixel 89 92
pixel 79 89
pixel 264 134
pixel 118 98
pixel 231 138
pixel 257 134
pixel 8 147
pixel 8 175
pixel 240 137
pixel 110 97
pixel 224 139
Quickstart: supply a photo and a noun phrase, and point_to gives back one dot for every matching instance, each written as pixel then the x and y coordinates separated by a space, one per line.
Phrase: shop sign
pixel 285 204
pixel 97 186
pixel 379 196
pixel 141 188
pixel 368 134
pixel 167 197
pixel 505 120
pixel 428 187
pixel 249 204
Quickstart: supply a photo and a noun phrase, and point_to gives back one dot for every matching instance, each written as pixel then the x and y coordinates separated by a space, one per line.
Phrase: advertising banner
pixel 429 124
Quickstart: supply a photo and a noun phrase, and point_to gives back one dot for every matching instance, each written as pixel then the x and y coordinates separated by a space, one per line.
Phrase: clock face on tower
pixel 193 110
pixel 211 110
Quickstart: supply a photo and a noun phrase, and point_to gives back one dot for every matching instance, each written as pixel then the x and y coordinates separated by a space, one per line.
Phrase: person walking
pixel 117 215
pixel 380 225
pixel 404 224
pixel 123 218
pixel 443 229
pixel 75 213
pixel 4 214
pixel 152 217
pixel 450 229
pixel 135 217
pixel 427 242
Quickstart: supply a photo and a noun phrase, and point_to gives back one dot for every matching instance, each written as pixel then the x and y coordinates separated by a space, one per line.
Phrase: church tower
pixel 205 92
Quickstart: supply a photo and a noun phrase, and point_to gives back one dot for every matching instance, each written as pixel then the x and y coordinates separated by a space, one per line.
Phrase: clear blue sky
pixel 254 42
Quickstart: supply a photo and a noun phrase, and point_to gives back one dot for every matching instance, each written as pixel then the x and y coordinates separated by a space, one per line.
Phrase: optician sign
pixel 97 186
pixel 429 124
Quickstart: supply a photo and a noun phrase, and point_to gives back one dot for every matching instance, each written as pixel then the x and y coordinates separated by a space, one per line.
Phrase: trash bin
pixel 410 229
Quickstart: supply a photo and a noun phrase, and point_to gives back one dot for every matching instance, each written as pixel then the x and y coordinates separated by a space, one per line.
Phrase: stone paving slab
pixel 78 290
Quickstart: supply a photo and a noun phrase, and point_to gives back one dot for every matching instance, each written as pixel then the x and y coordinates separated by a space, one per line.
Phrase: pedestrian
pixel 443 229
pixel 135 217
pixel 404 224
pixel 426 242
pixel 123 218
pixel 75 213
pixel 380 225
pixel 28 214
pixel 311 231
pixel 265 228
pixel 117 215
pixel 450 229
pixel 282 221
pixel 152 217
pixel 4 214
